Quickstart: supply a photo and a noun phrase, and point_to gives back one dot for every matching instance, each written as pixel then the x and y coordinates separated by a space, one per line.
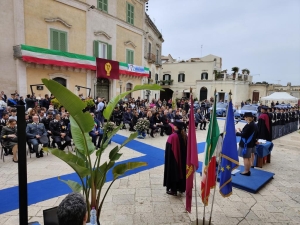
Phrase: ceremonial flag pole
pixel 192 162
pixel 209 167
pixel 218 154
pixel 229 155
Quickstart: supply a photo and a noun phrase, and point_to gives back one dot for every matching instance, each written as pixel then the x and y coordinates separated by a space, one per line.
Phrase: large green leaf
pixel 81 139
pixel 114 154
pixel 109 136
pixel 76 187
pixel 120 169
pixel 72 103
pixel 78 164
pixel 113 102
pixel 130 138
pixel 100 175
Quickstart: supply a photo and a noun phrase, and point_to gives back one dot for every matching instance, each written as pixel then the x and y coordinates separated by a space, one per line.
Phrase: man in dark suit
pixel 142 113
pixel 199 118
pixel 30 102
pixel 59 132
pixel 46 102
pixel 127 119
pixel 36 134
pixel 4 97
pixel 96 132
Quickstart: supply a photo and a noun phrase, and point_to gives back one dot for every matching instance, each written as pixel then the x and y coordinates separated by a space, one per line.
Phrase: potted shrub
pixel 141 126
pixel 92 173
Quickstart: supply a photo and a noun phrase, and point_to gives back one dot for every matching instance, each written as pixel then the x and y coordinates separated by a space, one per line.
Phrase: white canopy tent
pixel 280 96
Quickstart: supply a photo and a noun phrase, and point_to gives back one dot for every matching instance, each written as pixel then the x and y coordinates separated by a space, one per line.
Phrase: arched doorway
pixel 102 88
pixel 203 94
pixel 167 94
pixel 128 88
pixel 61 80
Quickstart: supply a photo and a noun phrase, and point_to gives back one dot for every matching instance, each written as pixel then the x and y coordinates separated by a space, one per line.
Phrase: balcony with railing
pixel 151 58
pixel 166 82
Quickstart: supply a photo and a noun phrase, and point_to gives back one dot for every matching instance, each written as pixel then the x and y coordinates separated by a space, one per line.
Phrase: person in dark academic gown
pixel 264 125
pixel 175 160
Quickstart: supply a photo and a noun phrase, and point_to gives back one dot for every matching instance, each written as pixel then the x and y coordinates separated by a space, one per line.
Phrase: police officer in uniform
pixel 46 121
pixel 37 134
pixel 59 132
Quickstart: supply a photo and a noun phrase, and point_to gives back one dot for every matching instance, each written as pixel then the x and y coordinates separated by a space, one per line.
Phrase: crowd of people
pixel 50 127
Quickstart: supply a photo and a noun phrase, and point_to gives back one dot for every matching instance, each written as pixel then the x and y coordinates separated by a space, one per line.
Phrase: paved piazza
pixel 141 199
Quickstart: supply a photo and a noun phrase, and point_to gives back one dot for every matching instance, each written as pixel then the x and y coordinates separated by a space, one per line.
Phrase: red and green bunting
pixel 53 57
pixel 58 58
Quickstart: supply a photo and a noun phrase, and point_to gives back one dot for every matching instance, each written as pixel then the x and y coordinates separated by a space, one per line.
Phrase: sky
pixel 260 35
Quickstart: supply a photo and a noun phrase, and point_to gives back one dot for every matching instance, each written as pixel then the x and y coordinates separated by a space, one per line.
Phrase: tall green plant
pixel 92 173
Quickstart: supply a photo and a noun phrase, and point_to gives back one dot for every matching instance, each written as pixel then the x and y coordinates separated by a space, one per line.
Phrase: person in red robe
pixel 175 160
pixel 264 125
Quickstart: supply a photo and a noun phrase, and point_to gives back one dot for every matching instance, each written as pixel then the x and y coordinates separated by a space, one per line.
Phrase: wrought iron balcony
pixel 151 58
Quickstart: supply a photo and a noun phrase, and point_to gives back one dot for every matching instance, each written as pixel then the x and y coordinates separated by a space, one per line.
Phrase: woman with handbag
pixel 247 143
pixel 10 139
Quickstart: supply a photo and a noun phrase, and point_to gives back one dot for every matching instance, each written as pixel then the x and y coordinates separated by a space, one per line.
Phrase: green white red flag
pixel 209 165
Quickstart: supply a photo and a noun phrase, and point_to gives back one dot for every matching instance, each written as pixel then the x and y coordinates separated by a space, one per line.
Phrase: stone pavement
pixel 141 198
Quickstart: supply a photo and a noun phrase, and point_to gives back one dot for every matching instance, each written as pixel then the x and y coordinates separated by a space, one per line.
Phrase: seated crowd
pixel 50 127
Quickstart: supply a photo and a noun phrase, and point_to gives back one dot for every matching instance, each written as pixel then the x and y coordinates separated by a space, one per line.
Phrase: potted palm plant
pixel 235 70
pixel 92 173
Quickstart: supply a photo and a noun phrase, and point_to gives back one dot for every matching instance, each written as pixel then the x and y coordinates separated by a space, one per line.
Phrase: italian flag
pixel 209 167
pixel 45 56
pixel 57 58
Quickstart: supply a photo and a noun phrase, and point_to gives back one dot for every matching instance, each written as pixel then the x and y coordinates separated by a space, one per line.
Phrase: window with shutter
pixel 130 13
pixel 102 50
pixel 129 56
pixel 58 40
pixel 167 77
pixel 102 5
pixel 181 77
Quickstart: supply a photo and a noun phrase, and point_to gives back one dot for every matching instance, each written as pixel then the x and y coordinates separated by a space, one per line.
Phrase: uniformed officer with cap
pixel 59 132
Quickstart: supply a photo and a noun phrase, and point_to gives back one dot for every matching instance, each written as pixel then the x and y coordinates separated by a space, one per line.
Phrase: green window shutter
pixel 63 42
pixel 183 78
pixel 128 13
pixel 105 5
pixel 96 48
pixel 127 56
pixel 132 57
pixel 58 40
pixel 109 52
pixel 54 39
pixel 132 14
pixel 178 77
pixel 100 4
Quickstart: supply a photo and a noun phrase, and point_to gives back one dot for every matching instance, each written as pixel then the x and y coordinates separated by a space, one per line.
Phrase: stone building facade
pixel 199 74
pixel 76 31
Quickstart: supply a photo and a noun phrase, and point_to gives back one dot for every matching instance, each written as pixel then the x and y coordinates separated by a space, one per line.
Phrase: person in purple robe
pixel 175 160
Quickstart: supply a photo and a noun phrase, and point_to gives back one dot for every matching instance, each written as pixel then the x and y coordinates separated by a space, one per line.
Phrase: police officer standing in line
pixel 59 132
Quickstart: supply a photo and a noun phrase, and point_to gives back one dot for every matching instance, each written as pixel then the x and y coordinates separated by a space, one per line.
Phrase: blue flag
pixel 229 154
